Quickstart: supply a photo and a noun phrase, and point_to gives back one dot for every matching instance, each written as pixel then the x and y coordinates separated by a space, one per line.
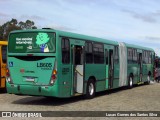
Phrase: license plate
pixel 30 79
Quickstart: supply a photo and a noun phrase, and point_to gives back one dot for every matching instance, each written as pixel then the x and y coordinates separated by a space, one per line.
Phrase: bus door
pixel 140 64
pixel 109 66
pixel 77 67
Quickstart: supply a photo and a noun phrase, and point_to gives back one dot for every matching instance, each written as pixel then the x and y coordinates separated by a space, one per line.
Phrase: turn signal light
pixel 54 72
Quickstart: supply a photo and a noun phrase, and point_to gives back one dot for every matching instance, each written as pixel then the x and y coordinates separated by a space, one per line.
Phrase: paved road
pixel 139 98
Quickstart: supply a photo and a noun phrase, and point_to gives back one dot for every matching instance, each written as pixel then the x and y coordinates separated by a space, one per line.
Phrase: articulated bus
pixel 3 56
pixel 55 63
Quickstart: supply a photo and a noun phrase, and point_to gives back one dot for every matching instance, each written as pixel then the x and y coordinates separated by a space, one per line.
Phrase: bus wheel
pixel 130 84
pixel 90 91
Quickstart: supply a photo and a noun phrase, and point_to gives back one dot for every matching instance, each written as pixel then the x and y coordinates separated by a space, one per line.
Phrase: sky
pixel 131 21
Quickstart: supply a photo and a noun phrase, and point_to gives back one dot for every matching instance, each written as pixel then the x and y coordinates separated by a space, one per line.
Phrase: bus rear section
pixel 31 63
pixel 3 59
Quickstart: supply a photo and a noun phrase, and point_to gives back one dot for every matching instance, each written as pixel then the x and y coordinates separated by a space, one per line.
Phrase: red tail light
pixel 53 77
pixel 8 78
pixel 54 74
pixel 7 73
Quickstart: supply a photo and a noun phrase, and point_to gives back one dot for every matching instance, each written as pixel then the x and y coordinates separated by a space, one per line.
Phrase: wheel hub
pixel 91 89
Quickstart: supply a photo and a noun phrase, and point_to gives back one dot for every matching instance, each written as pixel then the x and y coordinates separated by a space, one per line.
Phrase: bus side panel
pixel 64 79
pixel 116 76
pixel 133 69
pixel 135 74
pixel 146 69
pixel 98 72
pixel 144 73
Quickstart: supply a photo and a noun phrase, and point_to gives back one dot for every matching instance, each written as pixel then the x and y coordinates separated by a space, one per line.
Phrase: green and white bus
pixel 48 62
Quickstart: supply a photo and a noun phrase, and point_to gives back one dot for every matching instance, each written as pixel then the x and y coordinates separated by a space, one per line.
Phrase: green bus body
pixel 55 63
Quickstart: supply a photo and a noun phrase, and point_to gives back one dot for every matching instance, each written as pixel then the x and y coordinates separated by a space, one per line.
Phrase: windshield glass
pixel 32 42
pixel 4 53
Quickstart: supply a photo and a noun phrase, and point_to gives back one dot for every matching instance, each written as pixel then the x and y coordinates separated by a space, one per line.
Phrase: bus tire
pixel 90 91
pixel 130 82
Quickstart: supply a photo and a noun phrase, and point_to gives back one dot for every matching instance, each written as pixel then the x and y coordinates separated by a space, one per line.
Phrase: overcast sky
pixel 132 21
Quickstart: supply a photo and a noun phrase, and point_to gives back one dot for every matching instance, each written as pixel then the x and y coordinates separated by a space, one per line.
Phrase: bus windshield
pixel 4 53
pixel 32 42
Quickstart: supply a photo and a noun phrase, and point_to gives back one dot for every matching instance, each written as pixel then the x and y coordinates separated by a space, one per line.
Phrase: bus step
pixel 139 83
pixel 77 94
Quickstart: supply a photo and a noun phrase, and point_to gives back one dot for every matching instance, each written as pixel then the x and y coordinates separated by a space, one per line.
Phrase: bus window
pixel 130 55
pixel 78 55
pixel 65 51
pixel 106 57
pixel 143 57
pixel 116 55
pixel 146 57
pixel 150 58
pixel 4 54
pixel 134 55
pixel 89 52
pixel 32 42
pixel 98 53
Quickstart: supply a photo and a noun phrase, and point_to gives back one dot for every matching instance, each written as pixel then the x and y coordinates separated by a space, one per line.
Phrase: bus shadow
pixel 111 91
pixel 3 91
pixel 52 101
pixel 48 101
pixel 116 90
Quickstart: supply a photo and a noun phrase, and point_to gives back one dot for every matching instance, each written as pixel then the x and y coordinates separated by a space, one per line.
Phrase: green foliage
pixel 9 26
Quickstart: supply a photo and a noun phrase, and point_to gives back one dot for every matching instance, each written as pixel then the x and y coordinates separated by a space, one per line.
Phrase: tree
pixel 27 25
pixel 9 26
